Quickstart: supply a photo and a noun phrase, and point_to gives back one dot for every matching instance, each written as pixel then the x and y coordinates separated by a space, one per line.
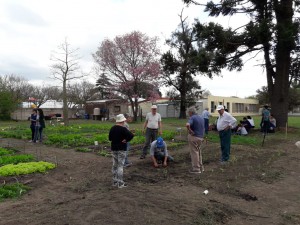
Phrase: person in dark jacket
pixel 119 136
pixel 33 117
pixel 40 125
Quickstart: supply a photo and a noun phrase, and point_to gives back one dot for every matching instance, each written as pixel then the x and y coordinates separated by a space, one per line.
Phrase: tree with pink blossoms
pixel 128 67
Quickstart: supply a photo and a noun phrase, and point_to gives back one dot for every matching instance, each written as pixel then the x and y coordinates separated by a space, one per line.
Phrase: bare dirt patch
pixel 258 186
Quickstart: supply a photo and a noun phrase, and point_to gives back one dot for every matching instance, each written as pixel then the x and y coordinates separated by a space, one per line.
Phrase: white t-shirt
pixel 153 120
pixel 225 120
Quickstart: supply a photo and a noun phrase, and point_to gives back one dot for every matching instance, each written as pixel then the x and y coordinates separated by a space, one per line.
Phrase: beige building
pixel 236 106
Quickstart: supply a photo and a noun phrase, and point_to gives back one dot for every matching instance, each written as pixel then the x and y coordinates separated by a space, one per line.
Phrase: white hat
pixel 220 107
pixel 154 107
pixel 120 118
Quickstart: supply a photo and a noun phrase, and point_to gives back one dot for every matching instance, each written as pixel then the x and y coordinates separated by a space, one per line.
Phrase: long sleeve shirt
pixel 119 136
pixel 225 120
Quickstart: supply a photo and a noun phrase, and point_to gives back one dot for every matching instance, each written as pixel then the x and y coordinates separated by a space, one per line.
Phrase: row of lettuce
pixel 12 165
pixel 75 135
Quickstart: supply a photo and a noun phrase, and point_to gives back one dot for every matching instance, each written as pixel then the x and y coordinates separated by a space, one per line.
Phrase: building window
pixel 212 107
pixel 117 108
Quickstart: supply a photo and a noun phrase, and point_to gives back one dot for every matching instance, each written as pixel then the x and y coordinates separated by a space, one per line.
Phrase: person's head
pixel 206 108
pixel 34 111
pixel 220 109
pixel 128 118
pixel 249 117
pixel 120 119
pixel 40 111
pixel 245 118
pixel 160 142
pixel 266 106
pixel 153 109
pixel 191 111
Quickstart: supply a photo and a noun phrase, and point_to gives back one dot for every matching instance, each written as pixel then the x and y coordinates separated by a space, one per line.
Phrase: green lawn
pixel 85 132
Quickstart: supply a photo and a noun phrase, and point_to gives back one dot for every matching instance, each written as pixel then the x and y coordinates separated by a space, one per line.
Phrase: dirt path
pixel 260 186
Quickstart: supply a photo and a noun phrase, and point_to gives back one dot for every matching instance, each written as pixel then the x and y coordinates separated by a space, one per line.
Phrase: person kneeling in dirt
pixel 159 153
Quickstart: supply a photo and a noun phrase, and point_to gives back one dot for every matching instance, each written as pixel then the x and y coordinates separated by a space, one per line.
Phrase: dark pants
pixel 151 135
pixel 206 124
pixel 160 156
pixel 225 139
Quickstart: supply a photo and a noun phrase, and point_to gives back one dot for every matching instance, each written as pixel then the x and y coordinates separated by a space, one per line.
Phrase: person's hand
pixel 165 164
pixel 124 141
pixel 143 131
pixel 155 165
pixel 160 132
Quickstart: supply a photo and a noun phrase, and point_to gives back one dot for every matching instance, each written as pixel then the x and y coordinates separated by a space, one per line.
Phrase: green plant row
pixel 15 159
pixel 25 168
pixel 12 190
pixel 4 151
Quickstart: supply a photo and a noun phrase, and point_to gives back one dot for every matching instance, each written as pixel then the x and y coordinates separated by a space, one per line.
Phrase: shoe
pixel 30 141
pixel 128 164
pixel 142 156
pixel 122 185
pixel 223 163
pixel 115 184
pixel 195 171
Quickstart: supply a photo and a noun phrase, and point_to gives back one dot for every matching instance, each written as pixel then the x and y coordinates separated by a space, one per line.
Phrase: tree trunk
pixel 65 104
pixel 182 114
pixel 285 43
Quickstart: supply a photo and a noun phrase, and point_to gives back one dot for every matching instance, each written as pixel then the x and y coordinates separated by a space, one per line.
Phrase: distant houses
pixel 106 109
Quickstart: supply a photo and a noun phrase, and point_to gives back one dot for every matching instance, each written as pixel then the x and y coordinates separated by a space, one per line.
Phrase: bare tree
pixel 65 67
pixel 18 86
pixel 45 93
pixel 81 92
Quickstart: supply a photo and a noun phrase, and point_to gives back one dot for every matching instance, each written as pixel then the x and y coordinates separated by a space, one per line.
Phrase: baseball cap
pixel 160 142
pixel 154 107
pixel 220 107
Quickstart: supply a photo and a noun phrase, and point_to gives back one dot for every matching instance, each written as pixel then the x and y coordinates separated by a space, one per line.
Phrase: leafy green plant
pixel 83 149
pixel 25 168
pixel 104 153
pixel 4 151
pixel 14 159
pixel 12 190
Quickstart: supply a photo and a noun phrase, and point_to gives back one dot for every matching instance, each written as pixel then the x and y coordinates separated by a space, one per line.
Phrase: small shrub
pixel 12 191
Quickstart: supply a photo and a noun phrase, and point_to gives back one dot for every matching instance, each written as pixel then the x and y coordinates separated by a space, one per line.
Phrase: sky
pixel 31 30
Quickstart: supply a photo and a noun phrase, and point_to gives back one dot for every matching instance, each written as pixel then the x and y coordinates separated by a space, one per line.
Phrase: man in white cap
pixel 224 125
pixel 152 127
pixel 119 136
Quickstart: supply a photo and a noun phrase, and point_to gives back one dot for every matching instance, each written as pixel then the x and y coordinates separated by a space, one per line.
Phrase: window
pixel 117 108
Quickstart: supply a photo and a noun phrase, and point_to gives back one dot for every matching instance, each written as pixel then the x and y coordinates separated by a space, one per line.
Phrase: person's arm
pixel 160 127
pixel 188 127
pixel 152 148
pixel 166 155
pixel 145 125
pixel 154 161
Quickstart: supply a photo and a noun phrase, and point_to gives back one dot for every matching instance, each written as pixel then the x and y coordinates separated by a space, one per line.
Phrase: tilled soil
pixel 258 186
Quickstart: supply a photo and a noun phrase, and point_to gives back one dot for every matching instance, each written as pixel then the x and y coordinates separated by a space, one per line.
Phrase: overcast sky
pixel 30 30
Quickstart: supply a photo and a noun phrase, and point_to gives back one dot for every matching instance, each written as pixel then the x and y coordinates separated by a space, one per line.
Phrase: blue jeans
pixel 225 139
pixel 151 135
pixel 206 123
pixel 126 153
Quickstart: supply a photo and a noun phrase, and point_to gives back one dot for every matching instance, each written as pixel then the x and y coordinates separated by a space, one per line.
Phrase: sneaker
pixel 142 156
pixel 195 171
pixel 30 141
pixel 122 186
pixel 115 184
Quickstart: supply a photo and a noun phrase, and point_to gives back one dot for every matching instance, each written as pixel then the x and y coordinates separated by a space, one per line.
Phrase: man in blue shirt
pixel 206 115
pixel 195 127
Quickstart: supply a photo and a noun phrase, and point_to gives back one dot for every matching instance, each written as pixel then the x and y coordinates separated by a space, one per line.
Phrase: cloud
pixel 18 13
